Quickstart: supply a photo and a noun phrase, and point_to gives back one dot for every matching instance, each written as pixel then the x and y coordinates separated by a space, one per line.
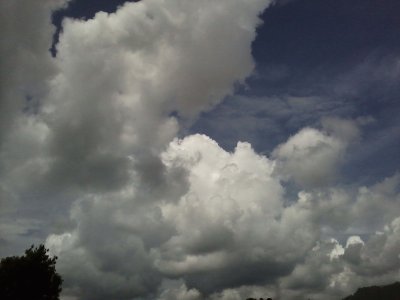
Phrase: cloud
pixel 135 211
pixel 100 113
pixel 127 72
pixel 266 121
pixel 229 225
pixel 26 68
pixel 232 218
pixel 228 229
pixel 27 35
pixel 178 290
pixel 330 267
pixel 311 157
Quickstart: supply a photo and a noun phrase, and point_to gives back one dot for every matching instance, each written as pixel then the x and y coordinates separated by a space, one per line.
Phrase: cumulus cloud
pixel 331 270
pixel 312 157
pixel 127 72
pixel 98 115
pixel 135 211
pixel 229 226
pixel 232 218
pixel 228 233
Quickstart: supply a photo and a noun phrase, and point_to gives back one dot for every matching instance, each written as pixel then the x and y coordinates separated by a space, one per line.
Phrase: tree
pixel 387 292
pixel 30 276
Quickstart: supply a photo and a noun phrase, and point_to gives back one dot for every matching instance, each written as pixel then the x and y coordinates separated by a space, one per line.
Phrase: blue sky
pixel 339 54
pixel 203 150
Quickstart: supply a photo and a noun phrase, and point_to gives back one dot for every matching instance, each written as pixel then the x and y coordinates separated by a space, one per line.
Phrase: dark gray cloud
pixel 25 64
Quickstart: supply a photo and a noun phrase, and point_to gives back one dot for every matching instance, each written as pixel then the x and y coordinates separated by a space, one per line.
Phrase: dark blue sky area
pixel 309 33
pixel 87 8
pixel 311 40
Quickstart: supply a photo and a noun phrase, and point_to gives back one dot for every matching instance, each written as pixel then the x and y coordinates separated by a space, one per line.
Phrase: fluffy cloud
pixel 331 270
pixel 312 157
pixel 232 218
pixel 98 115
pixel 132 210
pixel 229 225
pixel 128 72
pixel 228 233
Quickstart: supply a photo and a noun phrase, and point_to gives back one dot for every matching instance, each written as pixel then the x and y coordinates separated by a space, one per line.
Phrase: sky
pixel 203 150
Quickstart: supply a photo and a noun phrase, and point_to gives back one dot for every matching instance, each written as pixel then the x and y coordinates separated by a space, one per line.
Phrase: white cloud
pixel 99 113
pixel 357 264
pixel 123 74
pixel 134 211
pixel 312 157
pixel 231 217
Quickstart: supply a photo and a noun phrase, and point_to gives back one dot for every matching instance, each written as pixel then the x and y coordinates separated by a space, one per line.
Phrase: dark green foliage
pixel 31 276
pixel 387 292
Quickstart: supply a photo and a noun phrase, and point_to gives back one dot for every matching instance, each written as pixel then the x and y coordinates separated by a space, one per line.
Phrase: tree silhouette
pixel 386 292
pixel 30 276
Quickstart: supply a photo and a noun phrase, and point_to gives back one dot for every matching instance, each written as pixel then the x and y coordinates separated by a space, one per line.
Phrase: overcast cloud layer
pixel 94 160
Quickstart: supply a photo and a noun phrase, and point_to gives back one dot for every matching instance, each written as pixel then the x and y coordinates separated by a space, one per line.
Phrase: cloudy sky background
pixel 207 149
